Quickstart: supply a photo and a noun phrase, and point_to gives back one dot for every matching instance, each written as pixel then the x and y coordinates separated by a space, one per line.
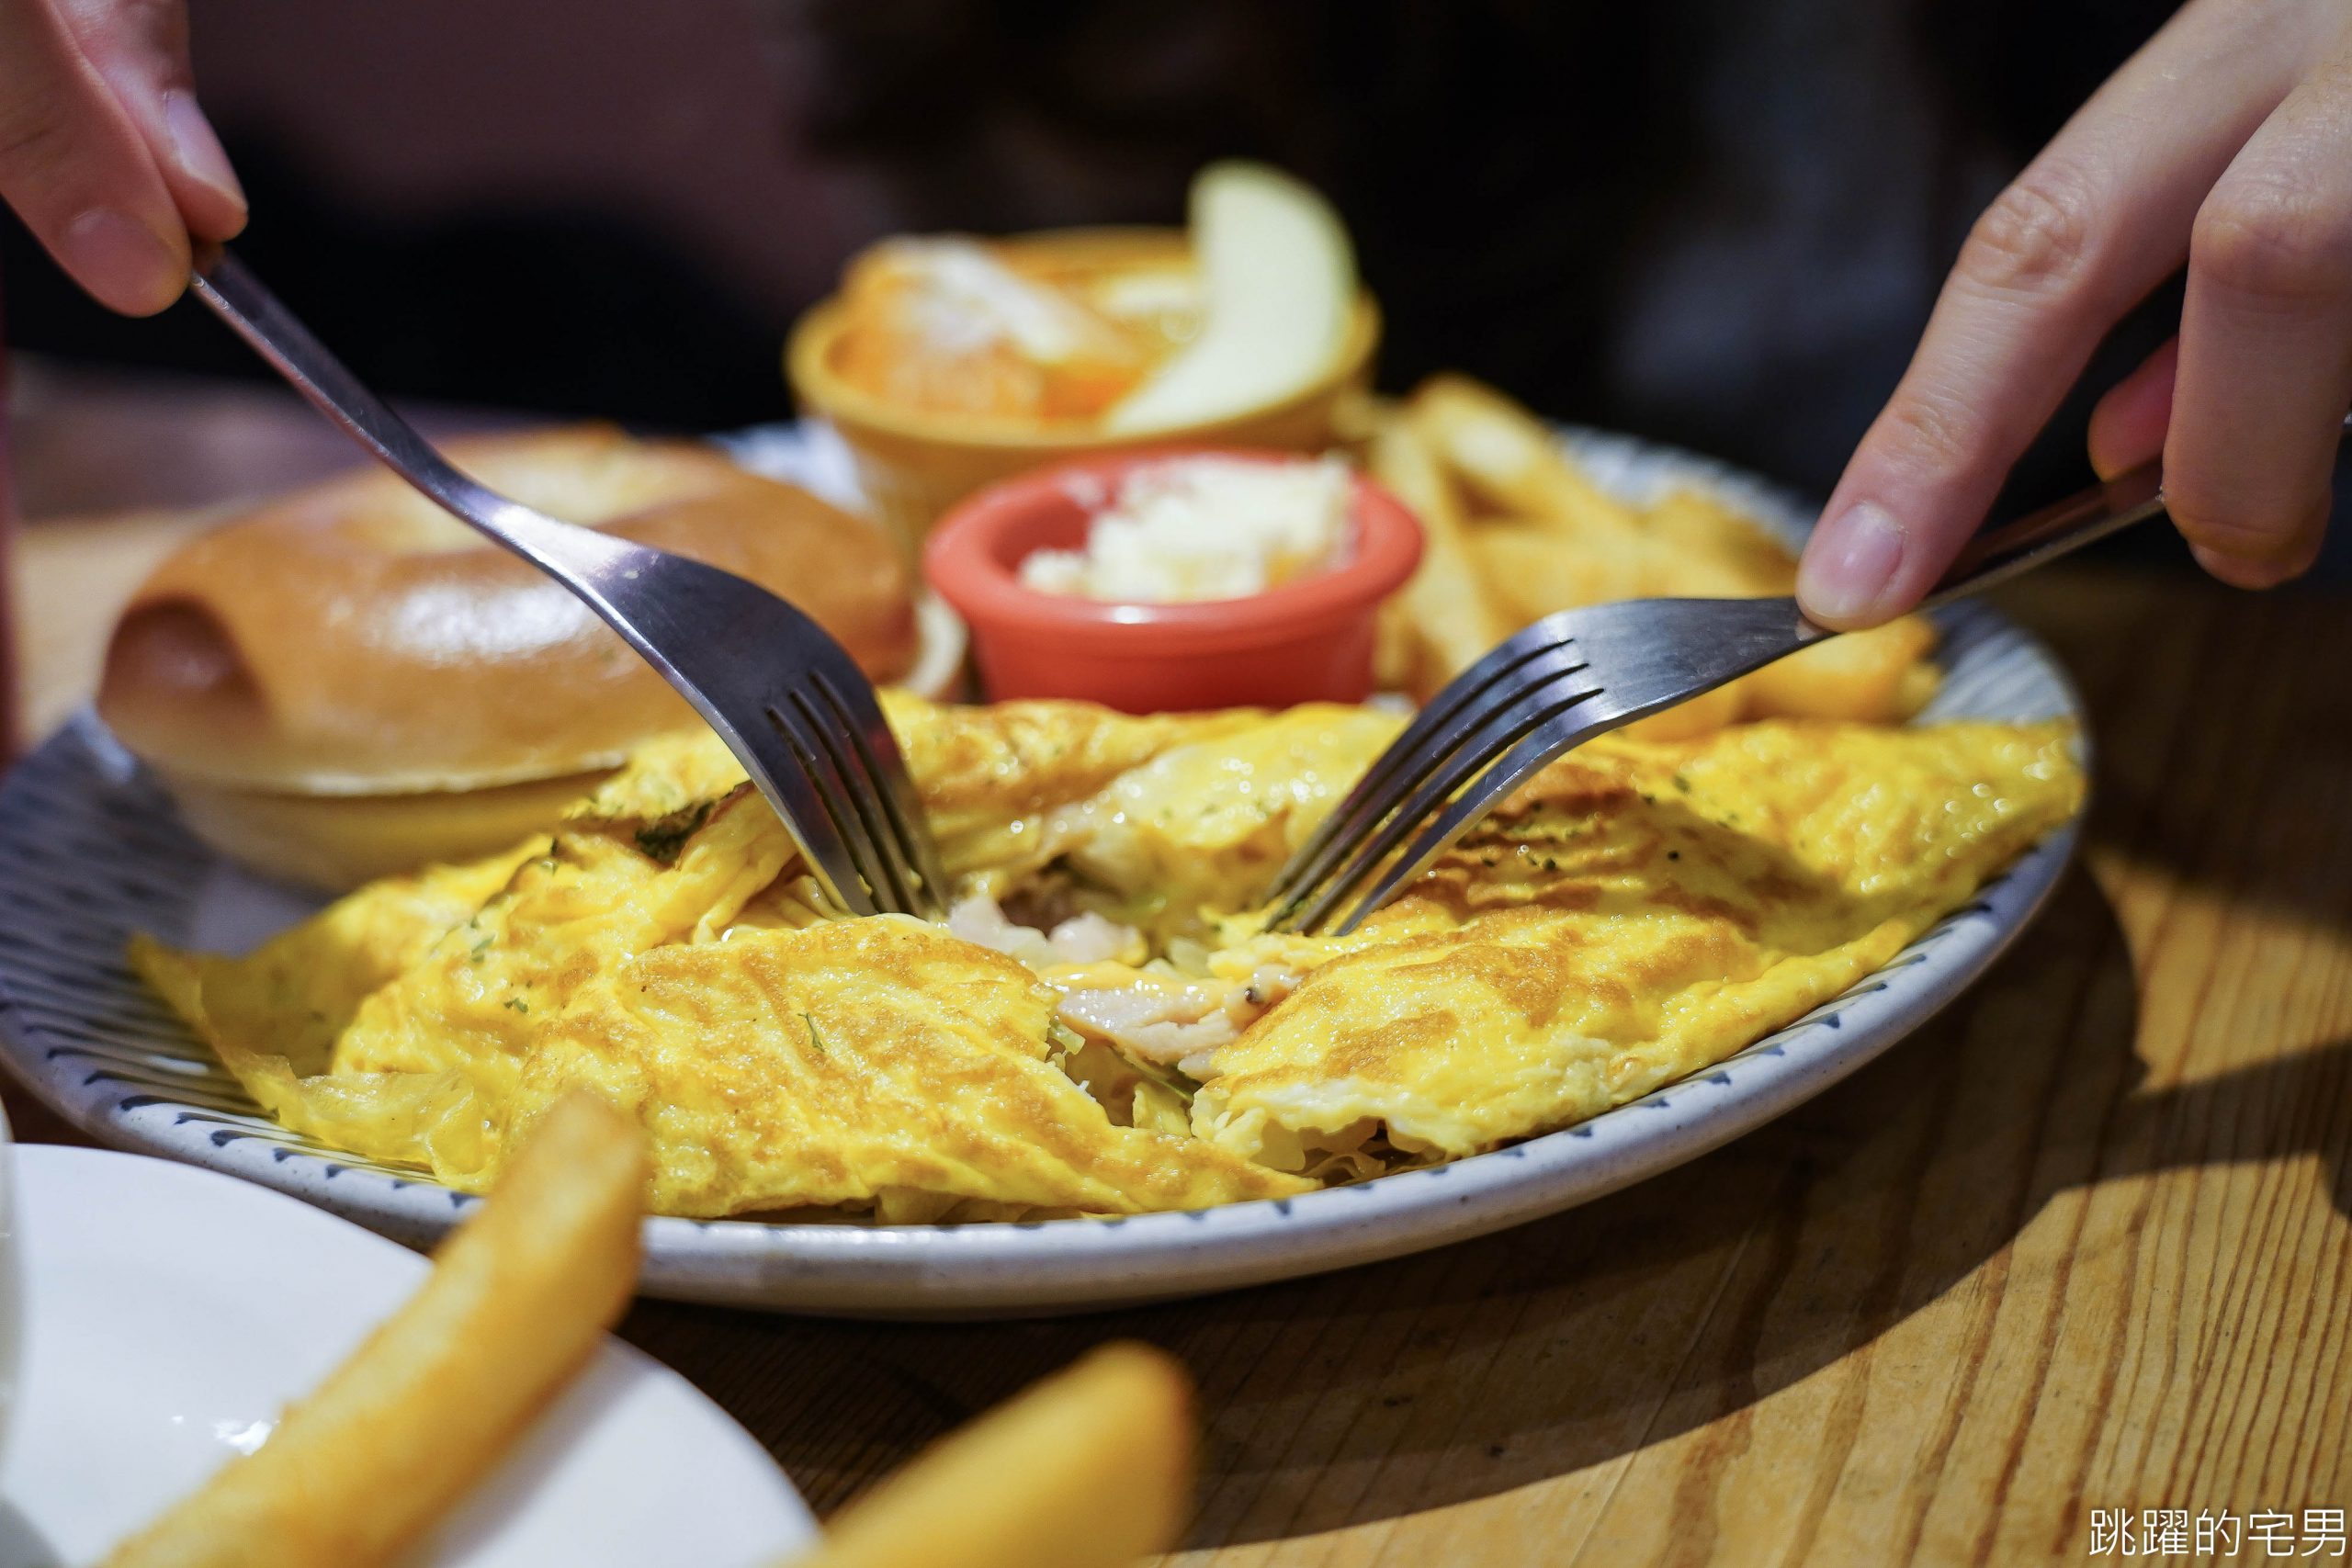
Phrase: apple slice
pixel 1278 281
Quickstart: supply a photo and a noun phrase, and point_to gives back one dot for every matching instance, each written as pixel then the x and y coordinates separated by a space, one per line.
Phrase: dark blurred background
pixel 1718 222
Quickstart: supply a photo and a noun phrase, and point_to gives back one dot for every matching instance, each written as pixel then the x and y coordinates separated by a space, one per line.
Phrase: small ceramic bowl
pixel 914 465
pixel 1308 640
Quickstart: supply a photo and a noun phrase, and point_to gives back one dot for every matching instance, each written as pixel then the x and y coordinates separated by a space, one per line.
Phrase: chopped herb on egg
pixel 661 839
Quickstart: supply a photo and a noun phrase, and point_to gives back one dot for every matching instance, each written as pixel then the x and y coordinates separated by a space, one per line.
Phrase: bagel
pixel 346 682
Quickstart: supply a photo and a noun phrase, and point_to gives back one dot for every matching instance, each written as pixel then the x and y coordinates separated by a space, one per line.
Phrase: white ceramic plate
pixel 170 1313
pixel 90 851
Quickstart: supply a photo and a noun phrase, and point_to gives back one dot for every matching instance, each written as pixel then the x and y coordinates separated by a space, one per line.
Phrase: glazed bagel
pixel 352 643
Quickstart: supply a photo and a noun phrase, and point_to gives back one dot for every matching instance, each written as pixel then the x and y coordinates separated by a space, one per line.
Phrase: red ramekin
pixel 1310 640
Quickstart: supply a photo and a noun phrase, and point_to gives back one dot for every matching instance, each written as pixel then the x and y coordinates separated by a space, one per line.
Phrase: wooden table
pixel 2085 1244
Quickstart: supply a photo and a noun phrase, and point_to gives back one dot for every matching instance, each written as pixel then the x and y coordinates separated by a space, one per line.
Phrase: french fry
pixel 1917 688
pixel 1396 647
pixel 1721 551
pixel 1547 538
pixel 1513 461
pixel 1356 414
pixel 1529 573
pixel 517 1301
pixel 1703 715
pixel 1875 677
pixel 1089 1469
pixel 1533 574
pixel 1866 676
pixel 1446 599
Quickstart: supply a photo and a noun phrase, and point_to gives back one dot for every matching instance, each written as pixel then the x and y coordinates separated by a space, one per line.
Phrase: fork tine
pixel 911 831
pixel 840 788
pixel 853 799
pixel 1376 793
pixel 1560 733
pixel 1549 696
pixel 870 795
pixel 817 822
pixel 897 890
pixel 871 790
pixel 1408 762
pixel 906 828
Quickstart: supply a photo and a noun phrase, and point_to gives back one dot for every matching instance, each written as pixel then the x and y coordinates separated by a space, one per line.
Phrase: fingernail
pixel 1846 570
pixel 123 261
pixel 198 149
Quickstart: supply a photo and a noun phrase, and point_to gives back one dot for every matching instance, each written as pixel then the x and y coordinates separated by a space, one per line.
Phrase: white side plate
pixel 170 1313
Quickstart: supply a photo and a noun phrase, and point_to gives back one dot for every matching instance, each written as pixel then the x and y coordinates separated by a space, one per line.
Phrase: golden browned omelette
pixel 1100 1027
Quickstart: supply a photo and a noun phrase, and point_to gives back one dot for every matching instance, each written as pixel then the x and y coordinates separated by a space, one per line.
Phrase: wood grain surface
pixel 2085 1243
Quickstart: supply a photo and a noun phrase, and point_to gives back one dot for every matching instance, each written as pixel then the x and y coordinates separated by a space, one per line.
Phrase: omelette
pixel 1101 1025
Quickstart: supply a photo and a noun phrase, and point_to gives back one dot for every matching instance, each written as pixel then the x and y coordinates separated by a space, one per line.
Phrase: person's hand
pixel 2227 141
pixel 103 151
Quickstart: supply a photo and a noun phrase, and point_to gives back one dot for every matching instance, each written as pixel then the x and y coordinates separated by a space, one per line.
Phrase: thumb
pixel 2128 427
pixel 139 47
pixel 78 170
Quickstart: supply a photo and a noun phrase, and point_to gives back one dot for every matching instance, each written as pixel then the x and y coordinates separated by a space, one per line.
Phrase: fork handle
pixel 1999 554
pixel 574 555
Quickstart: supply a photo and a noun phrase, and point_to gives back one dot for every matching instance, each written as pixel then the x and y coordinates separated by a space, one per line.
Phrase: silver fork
pixel 1578 673
pixel 786 699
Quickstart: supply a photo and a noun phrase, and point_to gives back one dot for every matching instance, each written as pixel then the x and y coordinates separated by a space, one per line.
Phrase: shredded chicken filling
pixel 1165 1011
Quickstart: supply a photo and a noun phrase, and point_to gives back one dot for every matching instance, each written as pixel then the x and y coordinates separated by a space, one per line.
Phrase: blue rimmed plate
pixel 91 850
